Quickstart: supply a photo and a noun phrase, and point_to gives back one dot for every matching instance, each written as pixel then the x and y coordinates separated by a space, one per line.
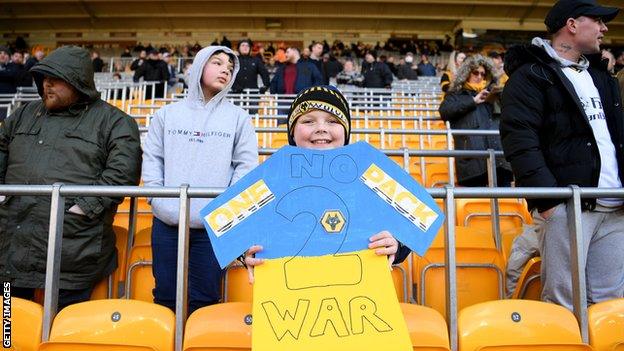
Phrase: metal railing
pixel 59 192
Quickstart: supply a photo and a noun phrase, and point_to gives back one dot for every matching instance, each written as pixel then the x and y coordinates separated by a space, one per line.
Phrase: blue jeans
pixel 204 273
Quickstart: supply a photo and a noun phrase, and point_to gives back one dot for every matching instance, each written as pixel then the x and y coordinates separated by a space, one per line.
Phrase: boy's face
pixel 318 130
pixel 217 73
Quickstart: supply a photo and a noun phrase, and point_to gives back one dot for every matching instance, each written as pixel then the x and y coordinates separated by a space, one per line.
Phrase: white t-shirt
pixel 590 99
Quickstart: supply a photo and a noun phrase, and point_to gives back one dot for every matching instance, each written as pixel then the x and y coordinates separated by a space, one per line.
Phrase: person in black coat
pixel 376 74
pixel 153 70
pixel 250 68
pixel 470 104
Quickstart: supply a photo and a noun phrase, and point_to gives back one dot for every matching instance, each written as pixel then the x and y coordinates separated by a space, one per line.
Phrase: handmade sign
pixel 313 211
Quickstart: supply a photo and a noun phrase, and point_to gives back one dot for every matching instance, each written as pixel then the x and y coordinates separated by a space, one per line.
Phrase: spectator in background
pixel 500 77
pixel 390 63
pixel 139 61
pixel 332 67
pixel 455 61
pixel 172 72
pixel 469 105
pixel 295 75
pixel 425 68
pixel 8 74
pixel 250 68
pixel 408 70
pixel 70 136
pixel 349 76
pixel 226 42
pixel 23 78
pixel 376 74
pixel 153 70
pixel 38 56
pixel 316 57
pixel 620 78
pixel 619 60
pixel 126 53
pixel 607 55
pixel 98 64
pixel 562 125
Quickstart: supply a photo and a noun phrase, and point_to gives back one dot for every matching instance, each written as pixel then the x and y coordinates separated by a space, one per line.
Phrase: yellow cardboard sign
pixel 332 302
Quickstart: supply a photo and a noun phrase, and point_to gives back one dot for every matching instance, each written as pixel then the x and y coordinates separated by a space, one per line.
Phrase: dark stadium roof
pixel 433 17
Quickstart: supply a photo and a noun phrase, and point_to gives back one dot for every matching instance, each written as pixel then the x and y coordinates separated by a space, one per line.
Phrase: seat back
pixel 478 213
pixel 606 325
pixel 518 324
pixel 426 327
pixel 26 323
pixel 480 270
pixel 230 328
pixel 139 278
pixel 236 287
pixel 529 286
pixel 127 324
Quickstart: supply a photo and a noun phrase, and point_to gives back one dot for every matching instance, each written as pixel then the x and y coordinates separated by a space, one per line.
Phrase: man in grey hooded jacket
pixel 205 141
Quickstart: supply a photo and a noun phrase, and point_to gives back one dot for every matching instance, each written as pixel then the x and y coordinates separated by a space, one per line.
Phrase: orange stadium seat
pixel 26 323
pixel 230 328
pixel 606 325
pixel 127 325
pixel 477 213
pixel 529 286
pixel 236 287
pixel 480 270
pixel 426 327
pixel 140 281
pixel 507 325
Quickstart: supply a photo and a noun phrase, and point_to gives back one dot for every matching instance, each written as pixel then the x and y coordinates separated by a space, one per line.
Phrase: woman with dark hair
pixel 470 103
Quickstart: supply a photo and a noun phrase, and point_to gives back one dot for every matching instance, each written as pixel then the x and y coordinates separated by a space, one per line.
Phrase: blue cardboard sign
pixel 304 202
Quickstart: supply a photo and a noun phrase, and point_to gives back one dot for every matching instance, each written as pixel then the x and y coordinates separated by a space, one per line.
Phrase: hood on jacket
pixel 469 65
pixel 519 55
pixel 195 92
pixel 71 64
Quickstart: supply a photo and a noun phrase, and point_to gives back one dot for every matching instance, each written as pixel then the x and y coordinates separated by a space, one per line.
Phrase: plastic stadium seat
pixel 143 237
pixel 427 328
pixel 236 287
pixel 399 278
pixel 606 325
pixel 437 175
pixel 477 213
pixel 480 270
pixel 112 325
pixel 529 286
pixel 518 325
pixel 26 322
pixel 230 328
pixel 100 290
pixel 140 280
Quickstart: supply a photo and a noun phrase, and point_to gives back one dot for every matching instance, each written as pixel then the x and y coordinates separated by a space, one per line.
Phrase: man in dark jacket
pixel 295 75
pixel 71 137
pixel 8 73
pixel 376 74
pixel 153 70
pixel 562 124
pixel 250 68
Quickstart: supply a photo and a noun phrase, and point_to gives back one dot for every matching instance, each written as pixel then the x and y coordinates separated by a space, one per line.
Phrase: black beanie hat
pixel 325 98
pixel 248 41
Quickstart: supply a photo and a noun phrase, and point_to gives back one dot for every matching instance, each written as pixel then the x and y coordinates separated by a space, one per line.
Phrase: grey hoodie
pixel 197 142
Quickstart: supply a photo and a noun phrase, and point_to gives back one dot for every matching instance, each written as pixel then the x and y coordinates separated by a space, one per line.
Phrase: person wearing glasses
pixel 471 104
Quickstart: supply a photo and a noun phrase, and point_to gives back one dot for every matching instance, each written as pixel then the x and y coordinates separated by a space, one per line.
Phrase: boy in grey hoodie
pixel 205 141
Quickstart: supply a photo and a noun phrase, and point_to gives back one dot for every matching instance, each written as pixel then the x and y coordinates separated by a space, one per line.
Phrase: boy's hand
pixel 385 244
pixel 251 261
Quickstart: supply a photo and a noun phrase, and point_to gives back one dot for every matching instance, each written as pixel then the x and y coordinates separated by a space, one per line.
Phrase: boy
pixel 319 118
pixel 203 141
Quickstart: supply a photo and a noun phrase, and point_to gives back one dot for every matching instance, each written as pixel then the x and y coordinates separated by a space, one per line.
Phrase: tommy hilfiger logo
pixel 197 133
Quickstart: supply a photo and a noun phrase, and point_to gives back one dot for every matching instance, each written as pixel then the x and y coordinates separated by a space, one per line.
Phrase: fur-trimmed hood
pixel 470 64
